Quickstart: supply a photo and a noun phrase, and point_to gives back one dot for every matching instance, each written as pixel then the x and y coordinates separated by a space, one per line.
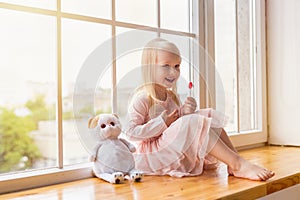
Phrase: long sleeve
pixel 140 126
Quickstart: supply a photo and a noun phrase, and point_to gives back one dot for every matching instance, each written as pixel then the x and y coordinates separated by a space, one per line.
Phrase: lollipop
pixel 190 87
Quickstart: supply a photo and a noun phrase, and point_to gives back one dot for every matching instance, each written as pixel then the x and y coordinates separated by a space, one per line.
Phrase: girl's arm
pixel 138 128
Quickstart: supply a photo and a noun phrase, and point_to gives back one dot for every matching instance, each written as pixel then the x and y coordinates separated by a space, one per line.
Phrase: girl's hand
pixel 170 118
pixel 189 106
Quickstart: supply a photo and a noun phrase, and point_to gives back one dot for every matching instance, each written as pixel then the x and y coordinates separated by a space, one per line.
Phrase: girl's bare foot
pixel 250 171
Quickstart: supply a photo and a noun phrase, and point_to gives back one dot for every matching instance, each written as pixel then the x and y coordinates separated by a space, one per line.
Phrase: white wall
pixel 283 61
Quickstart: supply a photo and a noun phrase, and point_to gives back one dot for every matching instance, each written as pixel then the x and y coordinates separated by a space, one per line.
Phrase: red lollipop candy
pixel 190 85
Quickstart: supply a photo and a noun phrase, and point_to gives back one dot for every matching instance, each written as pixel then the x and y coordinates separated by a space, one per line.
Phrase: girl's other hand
pixel 189 106
pixel 170 118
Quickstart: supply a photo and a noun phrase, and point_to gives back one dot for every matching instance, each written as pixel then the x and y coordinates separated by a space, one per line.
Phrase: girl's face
pixel 167 69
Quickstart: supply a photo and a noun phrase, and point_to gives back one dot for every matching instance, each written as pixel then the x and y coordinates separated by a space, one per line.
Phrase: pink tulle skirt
pixel 181 150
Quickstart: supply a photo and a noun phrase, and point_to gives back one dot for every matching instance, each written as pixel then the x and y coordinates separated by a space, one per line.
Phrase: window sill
pixel 38 178
pixel 249 140
pixel 218 185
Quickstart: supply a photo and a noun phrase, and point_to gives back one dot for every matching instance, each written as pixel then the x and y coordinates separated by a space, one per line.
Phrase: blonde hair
pixel 149 61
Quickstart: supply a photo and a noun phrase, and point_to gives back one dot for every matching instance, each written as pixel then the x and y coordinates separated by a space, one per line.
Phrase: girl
pixel 172 138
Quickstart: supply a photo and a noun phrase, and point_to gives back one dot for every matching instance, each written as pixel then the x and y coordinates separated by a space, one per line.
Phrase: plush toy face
pixel 106 126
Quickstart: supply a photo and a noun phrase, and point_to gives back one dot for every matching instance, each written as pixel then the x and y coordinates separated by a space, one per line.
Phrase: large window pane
pixel 235 62
pixel 94 8
pixel 49 4
pixel 175 14
pixel 137 11
pixel 128 72
pixel 246 66
pixel 27 91
pixel 225 59
pixel 79 41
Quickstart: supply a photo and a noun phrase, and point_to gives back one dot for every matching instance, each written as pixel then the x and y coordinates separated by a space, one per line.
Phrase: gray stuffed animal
pixel 112 156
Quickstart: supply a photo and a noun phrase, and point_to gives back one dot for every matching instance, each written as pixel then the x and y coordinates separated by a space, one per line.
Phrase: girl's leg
pixel 238 165
pixel 226 140
pixel 224 137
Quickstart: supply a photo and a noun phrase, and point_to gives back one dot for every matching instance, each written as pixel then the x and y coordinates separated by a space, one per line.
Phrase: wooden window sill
pixel 212 184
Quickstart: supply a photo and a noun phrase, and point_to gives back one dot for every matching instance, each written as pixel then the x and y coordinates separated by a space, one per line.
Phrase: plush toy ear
pixel 92 123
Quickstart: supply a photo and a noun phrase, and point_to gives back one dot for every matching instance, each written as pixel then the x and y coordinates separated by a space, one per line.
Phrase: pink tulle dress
pixel 178 150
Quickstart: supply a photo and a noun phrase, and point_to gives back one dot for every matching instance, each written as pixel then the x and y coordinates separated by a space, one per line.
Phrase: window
pixel 46 98
pixel 68 60
pixel 27 91
pixel 239 60
pixel 75 49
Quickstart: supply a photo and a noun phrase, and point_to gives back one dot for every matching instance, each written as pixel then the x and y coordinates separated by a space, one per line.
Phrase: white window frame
pixel 16 181
pixel 258 137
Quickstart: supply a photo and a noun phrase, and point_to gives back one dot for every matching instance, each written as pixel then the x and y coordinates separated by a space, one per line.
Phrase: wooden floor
pixel 213 184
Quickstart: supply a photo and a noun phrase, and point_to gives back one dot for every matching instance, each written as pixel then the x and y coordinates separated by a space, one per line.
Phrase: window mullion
pixel 237 113
pixel 59 89
pixel 201 37
pixel 210 54
pixel 114 64
pixel 158 18
pixel 253 64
